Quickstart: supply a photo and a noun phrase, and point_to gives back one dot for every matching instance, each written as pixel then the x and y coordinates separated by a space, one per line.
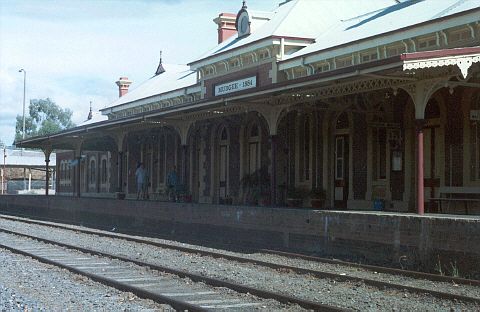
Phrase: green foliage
pixel 256 184
pixel 317 193
pixel 44 117
pixel 296 193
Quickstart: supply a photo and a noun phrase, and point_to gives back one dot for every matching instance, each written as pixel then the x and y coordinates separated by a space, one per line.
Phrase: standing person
pixel 146 183
pixel 172 180
pixel 140 174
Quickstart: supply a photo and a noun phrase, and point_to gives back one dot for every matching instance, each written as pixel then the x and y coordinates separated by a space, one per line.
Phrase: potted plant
pixel 255 186
pixel 188 197
pixel 227 200
pixel 295 197
pixel 317 197
pixel 120 194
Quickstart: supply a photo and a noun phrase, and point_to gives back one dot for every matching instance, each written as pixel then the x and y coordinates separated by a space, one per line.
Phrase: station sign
pixel 235 86
pixel 475 114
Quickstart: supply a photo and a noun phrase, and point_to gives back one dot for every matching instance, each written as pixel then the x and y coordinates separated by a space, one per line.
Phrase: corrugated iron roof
pixel 301 19
pixel 26 158
pixel 175 77
pixel 389 19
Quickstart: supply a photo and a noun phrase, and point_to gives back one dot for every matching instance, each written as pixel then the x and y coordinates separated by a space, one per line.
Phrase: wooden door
pixel 432 163
pixel 341 179
pixel 223 171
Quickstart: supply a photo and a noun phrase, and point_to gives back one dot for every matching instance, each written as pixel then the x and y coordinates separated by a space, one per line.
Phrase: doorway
pixel 341 162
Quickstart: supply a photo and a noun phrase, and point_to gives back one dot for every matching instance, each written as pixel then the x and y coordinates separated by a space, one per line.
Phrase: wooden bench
pixel 458 194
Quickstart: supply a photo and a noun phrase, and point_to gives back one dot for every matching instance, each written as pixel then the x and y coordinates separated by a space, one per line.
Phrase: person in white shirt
pixel 140 176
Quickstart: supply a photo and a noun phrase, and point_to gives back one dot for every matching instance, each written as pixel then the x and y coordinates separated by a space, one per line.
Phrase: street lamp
pixel 24 86
pixel 23 128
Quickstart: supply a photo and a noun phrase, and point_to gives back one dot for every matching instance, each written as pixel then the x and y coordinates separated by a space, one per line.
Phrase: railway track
pixel 280 267
pixel 373 268
pixel 163 285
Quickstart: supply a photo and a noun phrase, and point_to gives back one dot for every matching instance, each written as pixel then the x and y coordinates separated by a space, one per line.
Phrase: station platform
pixel 430 243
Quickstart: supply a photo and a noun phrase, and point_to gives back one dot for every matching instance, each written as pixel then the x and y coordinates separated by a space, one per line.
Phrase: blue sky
pixel 74 51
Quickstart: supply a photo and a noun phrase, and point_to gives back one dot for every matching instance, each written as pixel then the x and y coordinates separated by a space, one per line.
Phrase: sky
pixel 74 51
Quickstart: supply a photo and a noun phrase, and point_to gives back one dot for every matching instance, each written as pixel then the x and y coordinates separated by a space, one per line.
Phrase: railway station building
pixel 373 104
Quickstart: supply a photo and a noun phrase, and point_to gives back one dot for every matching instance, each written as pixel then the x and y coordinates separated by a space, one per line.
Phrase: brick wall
pixel 359 146
pixel 454 137
pixel 262 72
pixel 61 156
pixel 234 157
pixel 376 238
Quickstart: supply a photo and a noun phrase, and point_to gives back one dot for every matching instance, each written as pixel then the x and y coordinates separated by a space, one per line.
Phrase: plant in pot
pixel 317 197
pixel 120 194
pixel 295 197
pixel 256 185
pixel 188 197
pixel 227 200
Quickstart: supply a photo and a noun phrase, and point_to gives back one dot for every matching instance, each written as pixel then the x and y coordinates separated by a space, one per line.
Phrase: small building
pixel 376 103
pixel 23 171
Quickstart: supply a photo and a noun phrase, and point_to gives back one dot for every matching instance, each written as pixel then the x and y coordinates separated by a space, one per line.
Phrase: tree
pixel 45 117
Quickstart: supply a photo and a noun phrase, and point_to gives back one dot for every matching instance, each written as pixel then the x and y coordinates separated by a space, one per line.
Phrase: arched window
pixel 379 146
pixel 341 146
pixel 69 168
pixel 304 139
pixel 104 170
pixel 223 162
pixel 224 135
pixel 432 110
pixel 254 148
pixel 92 171
pixel 162 147
pixel 62 171
pixel 342 121
pixel 475 140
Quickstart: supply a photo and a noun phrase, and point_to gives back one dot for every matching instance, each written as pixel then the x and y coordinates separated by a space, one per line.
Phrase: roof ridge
pixel 440 14
pixel 286 15
pixel 364 14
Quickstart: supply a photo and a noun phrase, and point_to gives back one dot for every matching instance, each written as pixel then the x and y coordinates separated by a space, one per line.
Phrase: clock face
pixel 244 24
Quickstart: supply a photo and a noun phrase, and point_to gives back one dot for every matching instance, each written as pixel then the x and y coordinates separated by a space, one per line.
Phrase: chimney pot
pixel 123 84
pixel 226 26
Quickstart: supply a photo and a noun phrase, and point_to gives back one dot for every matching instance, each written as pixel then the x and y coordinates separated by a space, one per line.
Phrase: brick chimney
pixel 226 26
pixel 123 83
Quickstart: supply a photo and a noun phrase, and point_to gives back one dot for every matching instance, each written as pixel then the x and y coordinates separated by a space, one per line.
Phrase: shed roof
pixel 175 77
pixel 96 117
pixel 299 19
pixel 392 18
pixel 26 158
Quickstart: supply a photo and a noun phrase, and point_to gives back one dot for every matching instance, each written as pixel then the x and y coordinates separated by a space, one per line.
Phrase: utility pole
pixel 3 170
pixel 23 128
pixel 24 88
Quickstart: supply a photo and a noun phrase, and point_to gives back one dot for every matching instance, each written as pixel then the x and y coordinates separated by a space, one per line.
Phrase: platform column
pixel 184 165
pixel 77 182
pixel 419 123
pixel 47 153
pixel 273 180
pixel 120 171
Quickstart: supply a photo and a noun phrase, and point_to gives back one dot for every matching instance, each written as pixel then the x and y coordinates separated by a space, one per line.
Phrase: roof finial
pixel 160 68
pixel 244 6
pixel 90 114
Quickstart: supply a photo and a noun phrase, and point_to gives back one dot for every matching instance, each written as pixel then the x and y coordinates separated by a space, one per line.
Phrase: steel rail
pixel 142 293
pixel 264 294
pixel 307 304
pixel 393 271
pixel 376 268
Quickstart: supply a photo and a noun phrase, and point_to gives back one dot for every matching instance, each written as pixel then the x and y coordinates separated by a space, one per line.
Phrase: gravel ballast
pixel 29 285
pixel 352 295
